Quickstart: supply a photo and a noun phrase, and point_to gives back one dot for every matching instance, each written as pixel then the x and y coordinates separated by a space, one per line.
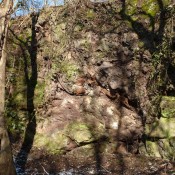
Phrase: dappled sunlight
pixel 90 88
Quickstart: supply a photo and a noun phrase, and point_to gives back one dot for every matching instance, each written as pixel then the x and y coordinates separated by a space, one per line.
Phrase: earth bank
pixel 98 81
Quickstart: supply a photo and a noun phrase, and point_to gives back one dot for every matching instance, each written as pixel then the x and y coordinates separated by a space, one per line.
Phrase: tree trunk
pixel 45 3
pixel 6 160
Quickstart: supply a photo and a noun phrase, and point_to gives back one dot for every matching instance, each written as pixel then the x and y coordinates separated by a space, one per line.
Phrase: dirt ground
pixel 39 162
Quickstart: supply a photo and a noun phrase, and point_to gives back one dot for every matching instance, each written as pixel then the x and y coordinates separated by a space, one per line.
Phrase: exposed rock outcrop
pixel 97 80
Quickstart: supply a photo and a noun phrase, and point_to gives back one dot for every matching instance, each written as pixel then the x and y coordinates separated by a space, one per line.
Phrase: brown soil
pixel 39 162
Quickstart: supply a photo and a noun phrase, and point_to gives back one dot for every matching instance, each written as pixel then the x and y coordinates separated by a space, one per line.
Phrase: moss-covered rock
pixel 163 128
pixel 168 107
pixel 150 149
pixel 68 46
pixel 80 132
pixel 70 69
pixel 163 148
pixel 55 143
pixel 150 7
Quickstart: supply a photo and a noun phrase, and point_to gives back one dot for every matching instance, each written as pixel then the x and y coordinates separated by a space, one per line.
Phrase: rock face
pixel 162 132
pixel 96 81
pixel 167 107
pixel 74 121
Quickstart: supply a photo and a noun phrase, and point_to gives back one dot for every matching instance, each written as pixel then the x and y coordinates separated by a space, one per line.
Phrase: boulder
pixel 56 143
pixel 130 126
pixel 167 107
pixel 162 128
pixel 80 133
pixel 163 148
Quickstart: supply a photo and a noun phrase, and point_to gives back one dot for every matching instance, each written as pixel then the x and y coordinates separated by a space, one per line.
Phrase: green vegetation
pixel 69 69
pixel 90 14
pixel 54 145
pixel 16 121
pixel 39 94
pixel 79 132
pixel 167 107
pixel 160 148
pixel 71 42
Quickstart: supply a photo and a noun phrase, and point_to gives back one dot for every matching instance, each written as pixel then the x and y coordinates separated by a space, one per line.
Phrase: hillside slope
pixel 92 74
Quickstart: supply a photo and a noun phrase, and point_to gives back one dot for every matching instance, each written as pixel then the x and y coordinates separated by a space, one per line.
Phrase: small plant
pixel 16 124
pixel 39 94
pixel 69 69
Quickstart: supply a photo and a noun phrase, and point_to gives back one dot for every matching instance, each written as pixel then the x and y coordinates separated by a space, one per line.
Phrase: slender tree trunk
pixel 6 160
pixel 55 2
pixel 45 3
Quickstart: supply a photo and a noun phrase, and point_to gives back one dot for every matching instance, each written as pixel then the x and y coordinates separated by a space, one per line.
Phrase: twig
pixel 23 20
pixel 105 169
pixel 45 170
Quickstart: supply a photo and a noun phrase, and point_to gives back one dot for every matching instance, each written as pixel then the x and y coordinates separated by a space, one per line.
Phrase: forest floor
pixel 39 162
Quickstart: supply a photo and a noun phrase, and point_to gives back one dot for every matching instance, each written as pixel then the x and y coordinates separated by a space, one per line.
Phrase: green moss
pixel 162 128
pixel 25 36
pixel 69 69
pixel 150 7
pixel 54 144
pixel 159 148
pixel 79 132
pixel 153 149
pixel 16 120
pixel 20 100
pixel 141 44
pixel 90 14
pixel 166 2
pixel 167 107
pixel 59 31
pixel 100 55
pixel 79 27
pixel 39 93
pixel 131 7
pixel 19 97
